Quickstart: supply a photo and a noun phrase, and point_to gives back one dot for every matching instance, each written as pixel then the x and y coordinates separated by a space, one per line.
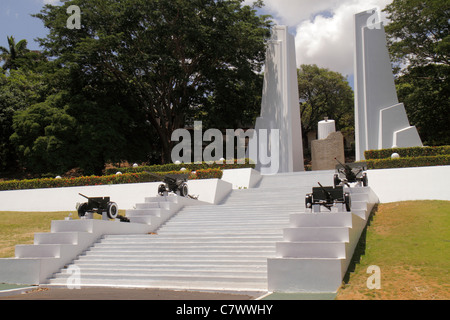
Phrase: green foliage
pixel 324 93
pixel 163 59
pixel 407 152
pixel 419 31
pixel 43 137
pixel 103 180
pixel 177 167
pixel 443 160
pixel 425 91
pixel 409 157
pixel 20 89
pixel 419 43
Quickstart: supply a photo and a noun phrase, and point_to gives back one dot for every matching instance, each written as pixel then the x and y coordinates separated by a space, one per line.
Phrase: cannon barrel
pixel 346 167
pixel 327 194
pixel 83 195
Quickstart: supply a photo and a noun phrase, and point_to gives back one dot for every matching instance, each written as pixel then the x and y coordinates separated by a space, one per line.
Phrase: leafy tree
pixel 14 52
pixel 425 92
pixel 419 31
pixel 167 58
pixel 42 135
pixel 419 42
pixel 18 90
pixel 324 93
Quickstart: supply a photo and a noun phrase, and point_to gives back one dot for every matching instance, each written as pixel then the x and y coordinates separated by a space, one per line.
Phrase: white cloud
pixel 323 29
pixel 51 1
pixel 329 42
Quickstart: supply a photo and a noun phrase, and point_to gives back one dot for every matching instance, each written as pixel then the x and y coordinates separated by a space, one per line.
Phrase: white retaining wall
pixel 125 195
pixel 422 183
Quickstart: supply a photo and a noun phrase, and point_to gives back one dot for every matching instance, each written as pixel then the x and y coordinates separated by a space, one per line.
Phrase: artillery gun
pixel 350 173
pixel 176 183
pixel 98 205
pixel 328 197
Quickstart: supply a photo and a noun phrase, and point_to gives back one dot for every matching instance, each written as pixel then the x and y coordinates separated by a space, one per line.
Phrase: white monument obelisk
pixel 380 120
pixel 280 105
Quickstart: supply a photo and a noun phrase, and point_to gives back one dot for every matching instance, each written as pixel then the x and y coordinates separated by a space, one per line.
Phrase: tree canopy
pixel 166 59
pixel 419 42
pixel 324 93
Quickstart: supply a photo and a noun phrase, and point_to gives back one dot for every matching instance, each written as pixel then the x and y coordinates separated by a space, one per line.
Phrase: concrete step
pixel 251 262
pixel 97 267
pixel 311 249
pixel 337 219
pixel 59 238
pixel 212 284
pixel 316 234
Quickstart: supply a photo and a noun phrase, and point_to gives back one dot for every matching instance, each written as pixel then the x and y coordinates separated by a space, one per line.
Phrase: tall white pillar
pixel 379 117
pixel 280 108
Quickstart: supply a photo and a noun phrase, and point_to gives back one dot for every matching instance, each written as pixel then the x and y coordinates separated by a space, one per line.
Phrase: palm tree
pixel 16 50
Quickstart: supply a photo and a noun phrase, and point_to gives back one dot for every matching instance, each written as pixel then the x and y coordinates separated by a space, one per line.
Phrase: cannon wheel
pixel 183 189
pixel 336 180
pixel 365 180
pixel 308 201
pixel 347 201
pixel 112 210
pixel 82 209
pixel 161 189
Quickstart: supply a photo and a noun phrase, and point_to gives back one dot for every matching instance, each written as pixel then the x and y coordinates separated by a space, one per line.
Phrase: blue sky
pixel 323 29
pixel 15 20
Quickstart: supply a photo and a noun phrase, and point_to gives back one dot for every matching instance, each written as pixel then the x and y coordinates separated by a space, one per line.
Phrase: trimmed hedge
pixel 177 167
pixel 407 152
pixel 442 160
pixel 103 180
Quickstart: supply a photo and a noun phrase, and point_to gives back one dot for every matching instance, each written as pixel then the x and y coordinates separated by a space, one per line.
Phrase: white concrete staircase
pixel 259 239
pixel 317 247
pixel 212 247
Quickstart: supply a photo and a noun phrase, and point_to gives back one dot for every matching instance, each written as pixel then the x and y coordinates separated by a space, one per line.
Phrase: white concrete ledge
pixel 125 195
pixel 241 178
pixel 404 184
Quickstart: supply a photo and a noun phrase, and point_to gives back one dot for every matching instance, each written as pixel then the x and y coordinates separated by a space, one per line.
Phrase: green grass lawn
pixel 410 242
pixel 20 227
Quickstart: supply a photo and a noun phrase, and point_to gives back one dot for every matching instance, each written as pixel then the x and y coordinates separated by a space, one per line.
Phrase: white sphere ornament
pixel 135 165
pixel 177 162
pixel 118 173
pixel 395 155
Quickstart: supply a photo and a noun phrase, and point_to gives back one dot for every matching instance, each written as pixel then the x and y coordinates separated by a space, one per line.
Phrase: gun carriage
pixel 176 183
pixel 100 205
pixel 350 173
pixel 328 197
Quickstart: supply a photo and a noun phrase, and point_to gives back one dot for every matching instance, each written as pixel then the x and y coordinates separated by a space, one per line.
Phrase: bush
pixel 407 152
pixel 176 167
pixel 103 180
pixel 441 160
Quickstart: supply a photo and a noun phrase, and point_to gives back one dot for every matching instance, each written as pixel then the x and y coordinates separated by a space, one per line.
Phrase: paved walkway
pixel 101 293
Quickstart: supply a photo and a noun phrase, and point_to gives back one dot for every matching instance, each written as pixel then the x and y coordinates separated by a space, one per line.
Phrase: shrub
pixel 103 180
pixel 441 160
pixel 407 152
pixel 176 167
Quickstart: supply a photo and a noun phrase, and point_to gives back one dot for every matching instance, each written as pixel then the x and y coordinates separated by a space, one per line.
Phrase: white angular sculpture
pixel 380 120
pixel 280 107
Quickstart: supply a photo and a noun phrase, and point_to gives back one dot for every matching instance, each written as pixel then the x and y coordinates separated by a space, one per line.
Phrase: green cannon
pixel 100 205
pixel 350 173
pixel 328 197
